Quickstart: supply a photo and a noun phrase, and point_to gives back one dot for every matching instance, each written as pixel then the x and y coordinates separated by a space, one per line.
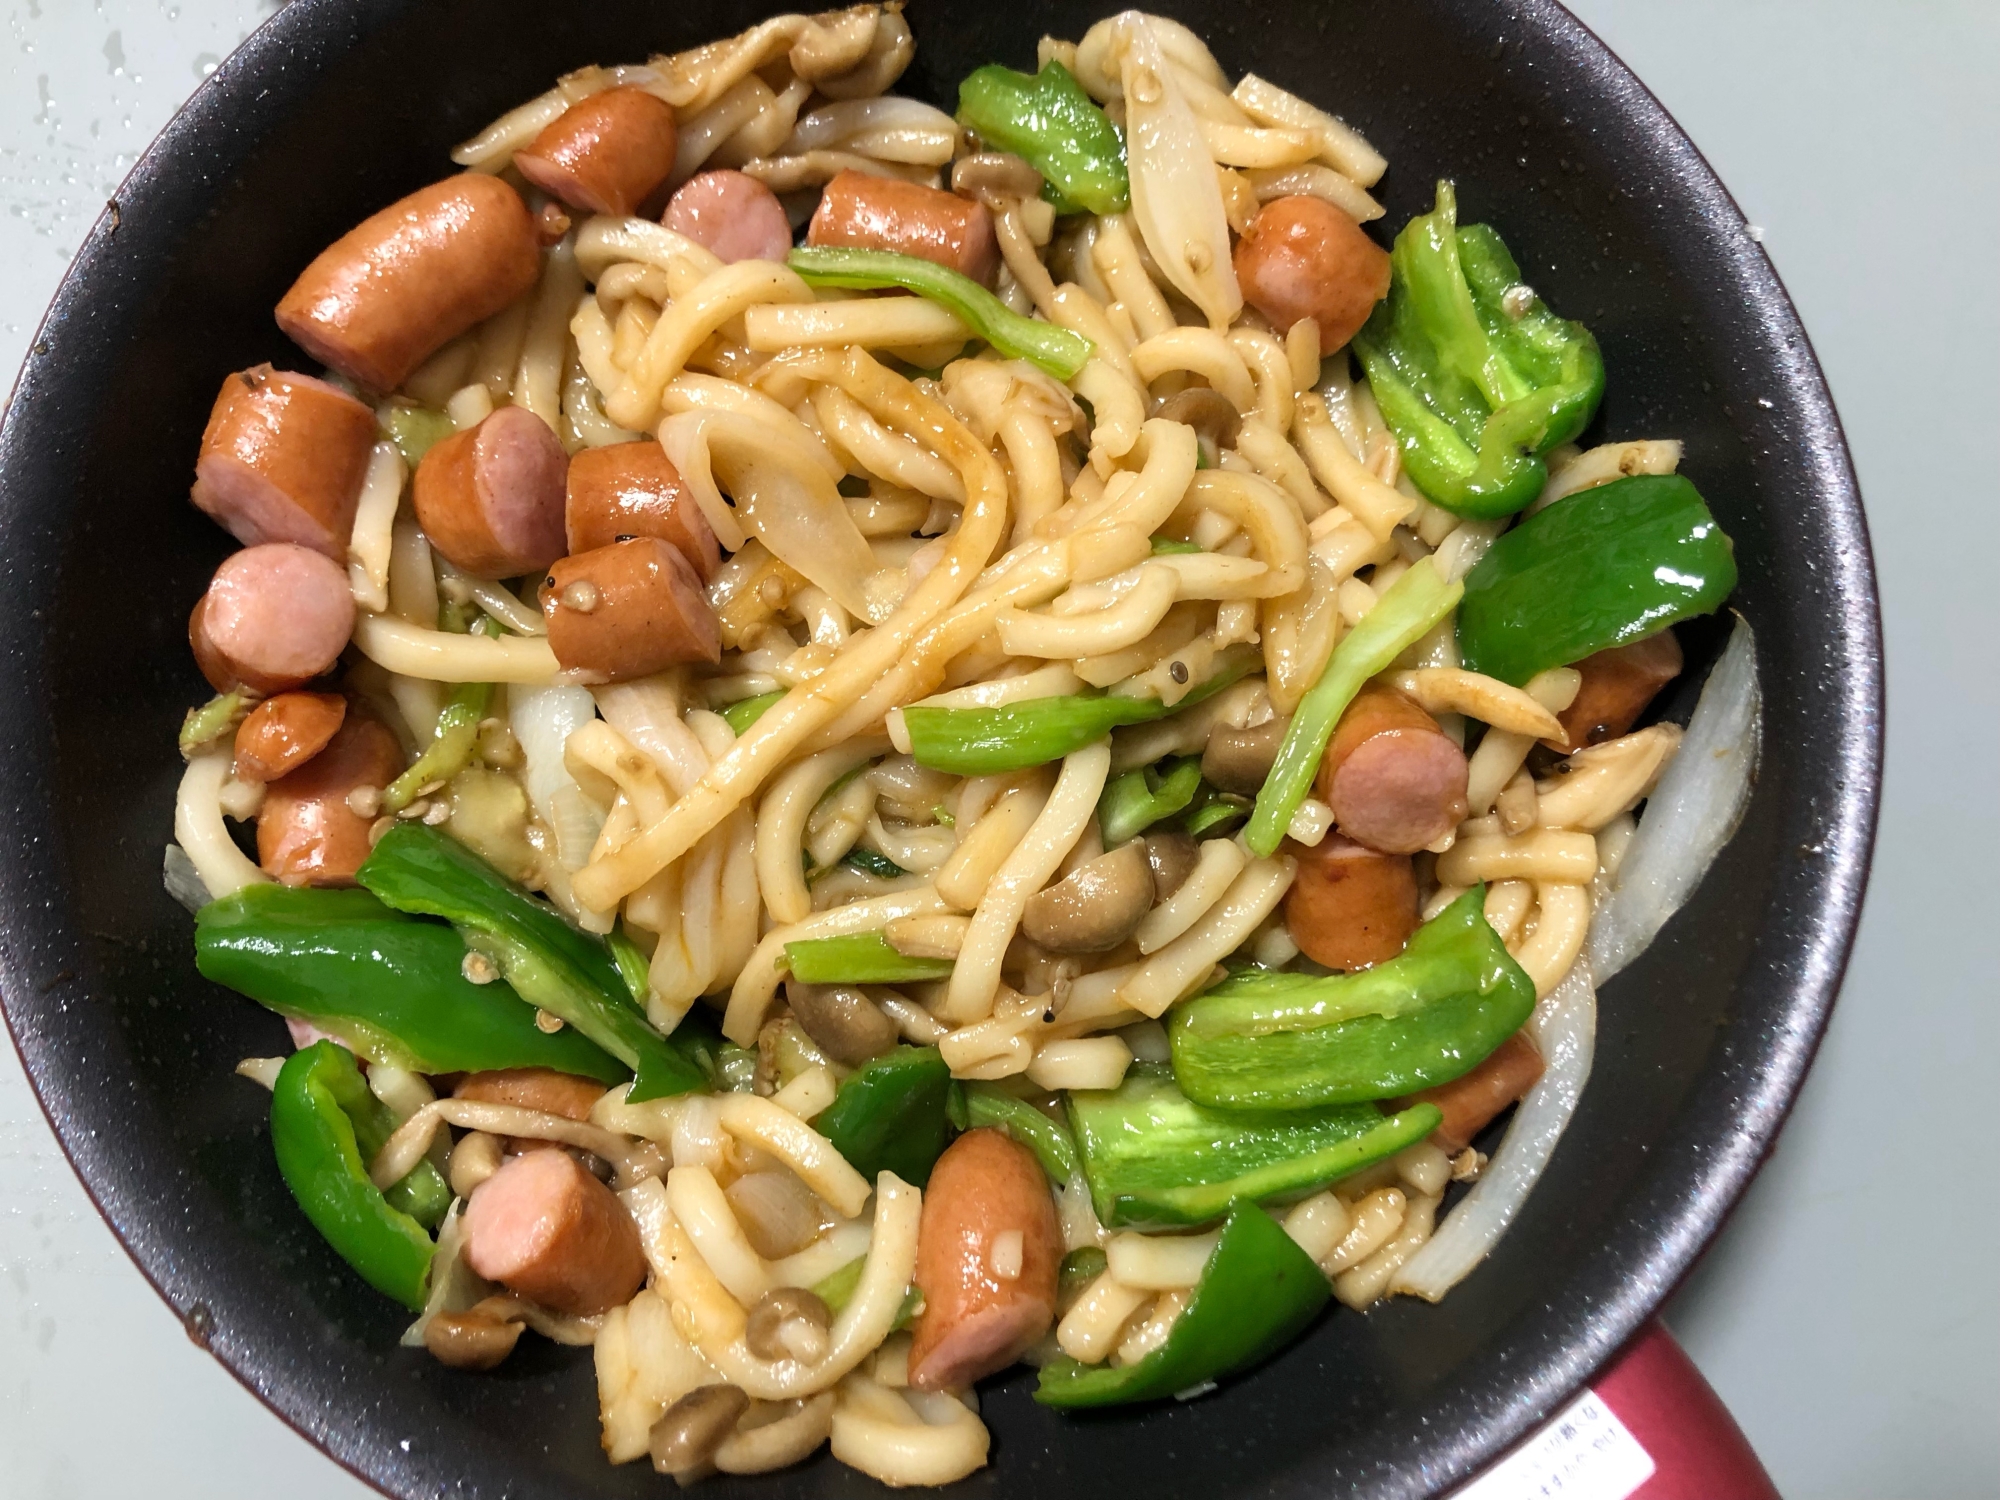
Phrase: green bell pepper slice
pixel 391 987
pixel 414 429
pixel 451 746
pixel 744 712
pixel 550 964
pixel 1050 122
pixel 219 716
pixel 1136 800
pixel 892 1114
pixel 1401 617
pixel 1046 345
pixel 837 1289
pixel 1265 1040
pixel 1257 1293
pixel 989 1105
pixel 1600 568
pixel 325 1128
pixel 859 958
pixel 1155 1158
pixel 1472 372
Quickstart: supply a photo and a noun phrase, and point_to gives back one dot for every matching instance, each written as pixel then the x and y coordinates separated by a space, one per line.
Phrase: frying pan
pixel 336 107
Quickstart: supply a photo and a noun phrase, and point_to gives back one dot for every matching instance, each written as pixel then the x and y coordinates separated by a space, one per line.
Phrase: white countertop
pixel 1850 1315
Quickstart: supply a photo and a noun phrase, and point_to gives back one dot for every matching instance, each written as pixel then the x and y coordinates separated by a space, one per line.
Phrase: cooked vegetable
pixel 1050 122
pixel 1256 1294
pixel 549 963
pixel 325 1128
pixel 1154 1157
pixel 859 958
pixel 450 749
pixel 632 964
pixel 219 716
pixel 391 987
pixel 1602 568
pixel 868 862
pixel 1262 1039
pixel 1473 373
pixel 1138 799
pixel 744 712
pixel 988 1104
pixel 1054 349
pixel 1401 618
pixel 891 1115
pixel 1095 907
pixel 414 429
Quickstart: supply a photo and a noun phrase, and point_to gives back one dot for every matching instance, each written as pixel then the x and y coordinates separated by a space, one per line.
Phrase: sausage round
pixel 985 1189
pixel 1394 780
pixel 533 1088
pixel 1471 1101
pixel 887 213
pixel 402 284
pixel 306 832
pixel 282 460
pixel 606 154
pixel 1617 685
pixel 490 498
pixel 274 617
pixel 282 733
pixel 1303 258
pixel 633 489
pixel 1350 907
pixel 628 610
pixel 735 216
pixel 544 1227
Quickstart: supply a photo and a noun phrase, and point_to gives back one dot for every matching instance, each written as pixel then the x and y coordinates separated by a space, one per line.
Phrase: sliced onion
pixel 1691 813
pixel 919 132
pixel 1564 1026
pixel 184 881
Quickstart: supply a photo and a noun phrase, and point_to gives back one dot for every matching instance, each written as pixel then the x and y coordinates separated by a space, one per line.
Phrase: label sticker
pixel 1585 1453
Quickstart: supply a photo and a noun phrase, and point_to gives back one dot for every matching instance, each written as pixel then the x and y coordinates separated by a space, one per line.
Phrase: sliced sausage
pixel 281 734
pixel 544 1089
pixel 1304 258
pixel 274 617
pixel 402 284
pixel 544 1227
pixel 735 216
pixel 1349 906
pixel 606 154
pixel 628 610
pixel 1471 1102
pixel 490 498
pixel 988 1253
pixel 306 832
pixel 887 213
pixel 1617 685
pixel 282 460
pixel 1395 781
pixel 633 489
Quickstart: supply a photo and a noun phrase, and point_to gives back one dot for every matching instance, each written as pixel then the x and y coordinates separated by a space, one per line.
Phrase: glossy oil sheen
pixel 334 109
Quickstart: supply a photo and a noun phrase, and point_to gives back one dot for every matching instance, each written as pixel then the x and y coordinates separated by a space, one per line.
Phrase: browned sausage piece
pixel 628 610
pixel 1394 780
pixel 735 216
pixel 1350 907
pixel 402 284
pixel 283 459
pixel 544 1089
pixel 1304 258
pixel 544 1227
pixel 887 213
pixel 490 498
pixel 281 734
pixel 633 489
pixel 988 1250
pixel 306 832
pixel 605 154
pixel 1617 685
pixel 1470 1102
pixel 274 617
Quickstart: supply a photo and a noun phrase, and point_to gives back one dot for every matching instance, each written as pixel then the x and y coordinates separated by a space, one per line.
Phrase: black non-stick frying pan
pixel 336 107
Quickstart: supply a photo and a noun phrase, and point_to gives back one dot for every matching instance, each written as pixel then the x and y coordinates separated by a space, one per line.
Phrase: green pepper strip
pixel 450 749
pixel 990 1105
pixel 988 741
pixel 391 987
pixel 1054 349
pixel 837 1290
pixel 415 429
pixel 1138 799
pixel 1401 618
pixel 858 958
pixel 1167 546
pixel 633 965
pixel 219 716
pixel 891 1114
pixel 1263 1040
pixel 325 1127
pixel 744 712
pixel 549 963
pixel 1599 569
pixel 1048 120
pixel 1257 1293
pixel 1154 1157
pixel 868 862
